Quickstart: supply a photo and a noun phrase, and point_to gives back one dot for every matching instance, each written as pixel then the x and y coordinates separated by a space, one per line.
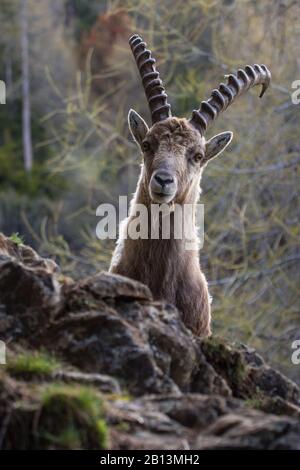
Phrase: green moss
pixel 275 405
pixel 16 238
pixel 68 438
pixel 102 433
pixel 228 362
pixel 119 396
pixel 84 397
pixel 256 402
pixel 32 364
pixel 72 417
pixel 123 427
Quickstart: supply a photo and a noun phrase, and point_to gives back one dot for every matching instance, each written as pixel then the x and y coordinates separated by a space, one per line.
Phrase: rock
pixel 192 410
pixel 104 383
pixel 108 286
pixel 207 380
pixel 125 370
pixel 29 290
pixel 276 405
pixel 25 255
pixel 142 343
pixel 51 416
pixel 251 430
pixel 246 372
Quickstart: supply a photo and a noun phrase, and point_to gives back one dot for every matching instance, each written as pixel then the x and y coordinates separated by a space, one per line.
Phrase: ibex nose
pixel 163 178
pixel 163 185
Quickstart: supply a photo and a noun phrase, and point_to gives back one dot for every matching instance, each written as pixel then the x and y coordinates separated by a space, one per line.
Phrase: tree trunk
pixel 26 116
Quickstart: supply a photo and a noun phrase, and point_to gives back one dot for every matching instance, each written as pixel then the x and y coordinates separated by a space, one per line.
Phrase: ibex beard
pixel 175 152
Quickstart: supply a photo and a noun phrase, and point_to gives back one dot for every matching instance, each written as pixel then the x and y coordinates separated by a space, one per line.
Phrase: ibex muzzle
pixel 163 186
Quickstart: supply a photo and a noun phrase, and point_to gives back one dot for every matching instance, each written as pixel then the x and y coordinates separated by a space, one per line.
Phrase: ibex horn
pixel 225 95
pixel 155 93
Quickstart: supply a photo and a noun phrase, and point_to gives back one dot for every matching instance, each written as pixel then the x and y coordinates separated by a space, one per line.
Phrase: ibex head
pixel 175 150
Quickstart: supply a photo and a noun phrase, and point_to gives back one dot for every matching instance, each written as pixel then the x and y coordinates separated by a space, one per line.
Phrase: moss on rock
pixel 72 414
pixel 32 364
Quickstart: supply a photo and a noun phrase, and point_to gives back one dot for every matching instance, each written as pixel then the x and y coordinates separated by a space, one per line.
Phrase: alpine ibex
pixel 175 153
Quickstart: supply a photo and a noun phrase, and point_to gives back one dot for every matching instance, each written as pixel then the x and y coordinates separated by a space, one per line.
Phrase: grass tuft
pixel 16 238
pixel 32 364
pixel 72 417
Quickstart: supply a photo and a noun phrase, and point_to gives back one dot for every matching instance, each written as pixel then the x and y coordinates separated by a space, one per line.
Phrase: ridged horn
pixel 155 93
pixel 225 95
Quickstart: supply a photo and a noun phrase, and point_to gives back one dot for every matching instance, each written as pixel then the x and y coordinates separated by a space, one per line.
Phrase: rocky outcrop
pixel 98 364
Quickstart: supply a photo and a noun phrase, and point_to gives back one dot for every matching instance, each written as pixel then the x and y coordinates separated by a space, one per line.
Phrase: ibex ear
pixel 217 144
pixel 137 126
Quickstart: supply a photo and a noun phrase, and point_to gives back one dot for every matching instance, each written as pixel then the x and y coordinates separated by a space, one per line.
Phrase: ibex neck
pixel 171 224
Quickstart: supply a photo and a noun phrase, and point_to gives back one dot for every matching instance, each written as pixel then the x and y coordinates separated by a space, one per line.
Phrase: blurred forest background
pixel 65 146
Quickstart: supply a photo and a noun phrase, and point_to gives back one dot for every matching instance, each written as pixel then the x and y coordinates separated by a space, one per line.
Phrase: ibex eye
pixel 197 157
pixel 145 146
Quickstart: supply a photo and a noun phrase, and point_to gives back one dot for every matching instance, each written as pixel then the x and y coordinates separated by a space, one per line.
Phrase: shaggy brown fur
pixel 172 272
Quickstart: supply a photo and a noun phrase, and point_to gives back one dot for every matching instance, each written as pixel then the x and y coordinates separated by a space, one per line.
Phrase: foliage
pixel 72 416
pixel 32 364
pixel 16 238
